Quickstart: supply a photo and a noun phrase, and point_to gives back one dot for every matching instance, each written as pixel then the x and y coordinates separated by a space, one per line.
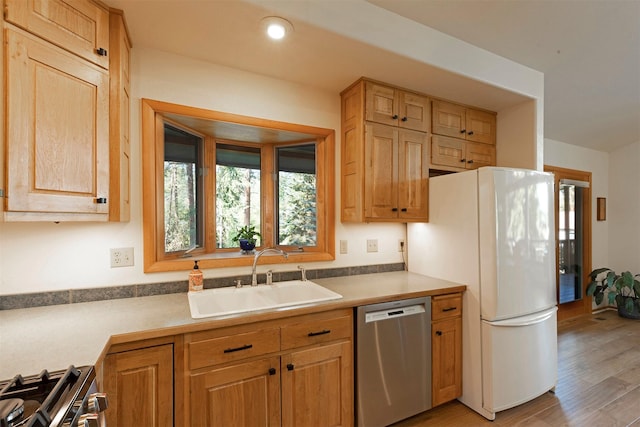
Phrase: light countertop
pixel 54 337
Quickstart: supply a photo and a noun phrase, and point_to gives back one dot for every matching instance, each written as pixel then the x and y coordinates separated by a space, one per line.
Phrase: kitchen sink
pixel 234 300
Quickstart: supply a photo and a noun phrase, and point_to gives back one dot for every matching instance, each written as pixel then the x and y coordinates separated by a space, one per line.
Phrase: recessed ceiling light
pixel 277 28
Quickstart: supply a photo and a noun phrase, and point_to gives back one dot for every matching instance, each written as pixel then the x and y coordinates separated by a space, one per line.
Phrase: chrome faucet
pixel 254 276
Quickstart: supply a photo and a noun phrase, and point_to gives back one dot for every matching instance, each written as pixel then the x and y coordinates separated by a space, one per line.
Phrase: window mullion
pixel 267 171
pixel 209 194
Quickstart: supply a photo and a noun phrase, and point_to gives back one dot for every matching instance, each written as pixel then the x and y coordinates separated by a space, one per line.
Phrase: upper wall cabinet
pixel 462 122
pixel 59 89
pixel 80 27
pixel 119 101
pixel 396 107
pixel 384 154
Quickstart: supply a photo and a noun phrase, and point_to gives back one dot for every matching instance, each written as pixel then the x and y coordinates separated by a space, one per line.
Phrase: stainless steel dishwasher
pixel 393 361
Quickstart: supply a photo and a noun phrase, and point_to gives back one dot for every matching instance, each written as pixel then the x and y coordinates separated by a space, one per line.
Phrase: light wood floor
pixel 598 382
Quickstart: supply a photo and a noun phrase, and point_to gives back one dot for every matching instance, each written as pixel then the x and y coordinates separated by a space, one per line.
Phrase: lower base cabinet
pixel 301 376
pixel 245 394
pixel 446 348
pixel 139 386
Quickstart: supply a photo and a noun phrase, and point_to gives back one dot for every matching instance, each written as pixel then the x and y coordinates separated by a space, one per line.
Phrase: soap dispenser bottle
pixel 195 278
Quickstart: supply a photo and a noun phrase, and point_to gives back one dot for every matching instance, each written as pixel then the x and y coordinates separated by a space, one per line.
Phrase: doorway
pixel 572 201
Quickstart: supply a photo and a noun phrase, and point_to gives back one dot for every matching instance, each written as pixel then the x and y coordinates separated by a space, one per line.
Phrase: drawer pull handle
pixel 438 333
pixel 290 367
pixel 449 308
pixel 272 371
pixel 323 332
pixel 244 347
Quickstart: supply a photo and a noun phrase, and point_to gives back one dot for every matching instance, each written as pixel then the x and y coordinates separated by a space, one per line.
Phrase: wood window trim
pixel 583 306
pixel 152 191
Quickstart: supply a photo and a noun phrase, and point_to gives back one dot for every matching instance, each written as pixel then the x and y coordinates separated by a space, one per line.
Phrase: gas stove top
pixel 66 398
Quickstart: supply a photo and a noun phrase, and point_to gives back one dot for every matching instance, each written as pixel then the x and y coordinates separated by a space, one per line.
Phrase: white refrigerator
pixel 493 230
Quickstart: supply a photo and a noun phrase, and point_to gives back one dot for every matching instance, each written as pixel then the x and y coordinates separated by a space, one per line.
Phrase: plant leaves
pixel 628 305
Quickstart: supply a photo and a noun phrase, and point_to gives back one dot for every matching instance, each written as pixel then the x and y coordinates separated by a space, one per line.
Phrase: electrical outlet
pixel 344 247
pixel 121 257
pixel 401 245
pixel 372 245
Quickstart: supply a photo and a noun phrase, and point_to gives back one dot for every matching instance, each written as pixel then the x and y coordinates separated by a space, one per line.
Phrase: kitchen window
pixel 206 173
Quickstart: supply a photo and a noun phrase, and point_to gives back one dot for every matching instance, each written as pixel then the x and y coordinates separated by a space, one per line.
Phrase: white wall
pixel 623 209
pixel 43 256
pixel 568 156
pixel 37 257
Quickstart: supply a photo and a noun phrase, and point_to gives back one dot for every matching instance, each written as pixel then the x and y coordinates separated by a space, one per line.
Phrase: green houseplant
pixel 622 288
pixel 247 236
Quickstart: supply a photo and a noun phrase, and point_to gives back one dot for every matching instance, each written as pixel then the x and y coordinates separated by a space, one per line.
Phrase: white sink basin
pixel 232 300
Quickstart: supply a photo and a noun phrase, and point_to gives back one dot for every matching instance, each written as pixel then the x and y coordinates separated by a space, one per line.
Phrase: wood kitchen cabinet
pixel 384 154
pixel 395 183
pixel 446 347
pixel 61 88
pixel 458 121
pixel 57 145
pixel 139 385
pixel 119 128
pixel 459 154
pixel 396 107
pixel 290 372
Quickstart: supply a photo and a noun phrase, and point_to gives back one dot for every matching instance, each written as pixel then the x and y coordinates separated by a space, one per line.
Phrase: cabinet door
pixel 447 151
pixel 480 126
pixel 479 155
pixel 446 347
pixel 381 172
pixel 413 170
pixel 448 119
pixel 381 104
pixel 58 131
pixel 139 386
pixel 245 394
pixel 317 386
pixel 81 27
pixel 414 111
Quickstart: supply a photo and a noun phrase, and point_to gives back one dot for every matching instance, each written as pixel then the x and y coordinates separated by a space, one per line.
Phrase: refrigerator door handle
pixel 527 320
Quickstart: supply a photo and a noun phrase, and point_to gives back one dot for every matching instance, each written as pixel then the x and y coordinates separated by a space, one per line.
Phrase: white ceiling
pixel 589 51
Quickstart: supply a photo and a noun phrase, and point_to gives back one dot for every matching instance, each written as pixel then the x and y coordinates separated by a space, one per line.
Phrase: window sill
pixel 234 259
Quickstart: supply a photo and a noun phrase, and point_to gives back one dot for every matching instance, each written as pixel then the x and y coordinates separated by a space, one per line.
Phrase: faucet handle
pixel 303 272
pixel 269 277
pixel 238 283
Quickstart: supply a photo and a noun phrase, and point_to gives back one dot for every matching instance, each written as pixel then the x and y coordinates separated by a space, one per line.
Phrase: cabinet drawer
pixel 233 347
pixel 316 331
pixel 446 306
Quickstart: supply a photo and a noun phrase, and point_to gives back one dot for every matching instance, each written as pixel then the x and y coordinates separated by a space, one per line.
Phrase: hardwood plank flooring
pixel 598 382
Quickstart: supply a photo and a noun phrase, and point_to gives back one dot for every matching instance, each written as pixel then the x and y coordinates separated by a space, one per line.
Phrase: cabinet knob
pixel 438 333
pixel 463 130
pixel 470 161
pixel 290 366
pixel 101 51
pixel 394 209
pixel 403 209
pixel 463 160
pixel 101 200
pixel 394 117
pixel 404 119
pixel 272 371
pixel 470 133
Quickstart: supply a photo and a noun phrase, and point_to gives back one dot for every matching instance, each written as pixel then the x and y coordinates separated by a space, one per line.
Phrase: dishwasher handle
pixel 394 313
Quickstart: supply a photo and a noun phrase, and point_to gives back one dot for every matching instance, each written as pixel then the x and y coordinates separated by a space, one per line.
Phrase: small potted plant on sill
pixel 246 236
pixel 623 288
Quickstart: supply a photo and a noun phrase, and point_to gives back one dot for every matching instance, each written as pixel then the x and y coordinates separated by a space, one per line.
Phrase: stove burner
pixel 11 410
pixel 56 399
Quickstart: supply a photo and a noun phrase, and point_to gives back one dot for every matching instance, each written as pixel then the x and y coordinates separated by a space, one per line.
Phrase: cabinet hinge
pixel 1 192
